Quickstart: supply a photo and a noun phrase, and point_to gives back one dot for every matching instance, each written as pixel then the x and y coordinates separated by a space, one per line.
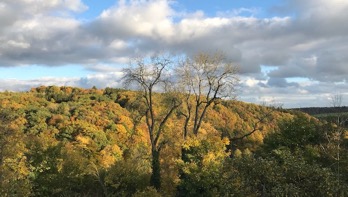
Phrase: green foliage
pixel 126 178
pixel 201 171
pixel 14 167
pixel 149 191
pixel 279 174
pixel 302 147
pixel 64 141
pixel 296 133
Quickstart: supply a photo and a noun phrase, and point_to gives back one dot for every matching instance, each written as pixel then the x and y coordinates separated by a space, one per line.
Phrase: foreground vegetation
pixel 63 141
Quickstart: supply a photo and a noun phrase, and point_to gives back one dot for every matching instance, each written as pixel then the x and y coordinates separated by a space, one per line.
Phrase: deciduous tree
pixel 150 75
pixel 205 78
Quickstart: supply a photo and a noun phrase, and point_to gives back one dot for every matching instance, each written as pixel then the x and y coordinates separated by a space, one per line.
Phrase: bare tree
pixel 336 138
pixel 336 100
pixel 204 79
pixel 150 75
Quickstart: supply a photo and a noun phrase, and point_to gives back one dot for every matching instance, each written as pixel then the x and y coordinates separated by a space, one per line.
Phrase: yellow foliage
pixel 225 141
pixel 237 153
pixel 126 121
pixel 83 139
pixel 121 129
pixel 191 142
pixel 209 158
pixel 107 160
pixel 109 155
pixel 102 129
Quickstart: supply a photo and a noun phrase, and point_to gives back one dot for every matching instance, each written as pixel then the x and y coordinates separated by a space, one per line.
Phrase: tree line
pixel 179 133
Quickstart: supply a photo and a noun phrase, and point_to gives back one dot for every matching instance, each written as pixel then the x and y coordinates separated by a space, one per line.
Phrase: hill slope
pixel 67 141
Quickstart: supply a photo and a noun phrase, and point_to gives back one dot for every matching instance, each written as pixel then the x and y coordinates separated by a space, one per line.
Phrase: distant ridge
pixel 322 110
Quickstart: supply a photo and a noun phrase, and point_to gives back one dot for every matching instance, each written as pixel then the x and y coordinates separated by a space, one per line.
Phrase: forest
pixel 64 141
pixel 69 141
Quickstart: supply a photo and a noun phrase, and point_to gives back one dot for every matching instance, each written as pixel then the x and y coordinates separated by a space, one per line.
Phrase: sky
pixel 289 52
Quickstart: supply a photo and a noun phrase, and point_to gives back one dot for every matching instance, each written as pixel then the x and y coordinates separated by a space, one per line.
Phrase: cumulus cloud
pixel 111 79
pixel 300 94
pixel 280 82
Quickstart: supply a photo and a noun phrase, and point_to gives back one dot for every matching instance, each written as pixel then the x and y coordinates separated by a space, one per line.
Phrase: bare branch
pixel 205 78
pixel 256 126
pixel 336 100
pixel 149 75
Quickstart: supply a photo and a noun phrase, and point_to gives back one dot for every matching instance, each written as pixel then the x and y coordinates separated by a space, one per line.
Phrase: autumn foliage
pixel 66 141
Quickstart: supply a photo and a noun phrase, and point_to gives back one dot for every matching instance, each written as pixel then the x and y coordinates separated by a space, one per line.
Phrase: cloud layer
pixel 310 43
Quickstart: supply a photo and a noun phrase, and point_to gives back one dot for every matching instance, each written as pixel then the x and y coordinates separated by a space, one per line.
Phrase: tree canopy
pixel 66 141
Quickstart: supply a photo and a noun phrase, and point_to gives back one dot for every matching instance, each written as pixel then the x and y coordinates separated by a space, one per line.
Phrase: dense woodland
pixel 64 141
pixel 174 136
pixel 323 110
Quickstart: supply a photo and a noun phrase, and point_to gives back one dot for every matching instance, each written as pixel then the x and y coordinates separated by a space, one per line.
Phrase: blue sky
pixel 210 8
pixel 289 51
pixel 95 8
pixel 34 72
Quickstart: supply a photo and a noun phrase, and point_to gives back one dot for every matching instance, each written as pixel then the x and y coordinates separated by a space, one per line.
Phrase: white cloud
pixel 112 79
pixel 118 44
pixel 137 18
pixel 15 44
pixel 238 12
pixel 251 82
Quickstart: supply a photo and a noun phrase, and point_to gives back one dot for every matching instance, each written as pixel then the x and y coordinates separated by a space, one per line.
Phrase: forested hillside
pixel 65 141
pixel 323 110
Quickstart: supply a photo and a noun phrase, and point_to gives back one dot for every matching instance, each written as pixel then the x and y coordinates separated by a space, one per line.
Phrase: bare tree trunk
pixel 148 76
pixel 155 180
